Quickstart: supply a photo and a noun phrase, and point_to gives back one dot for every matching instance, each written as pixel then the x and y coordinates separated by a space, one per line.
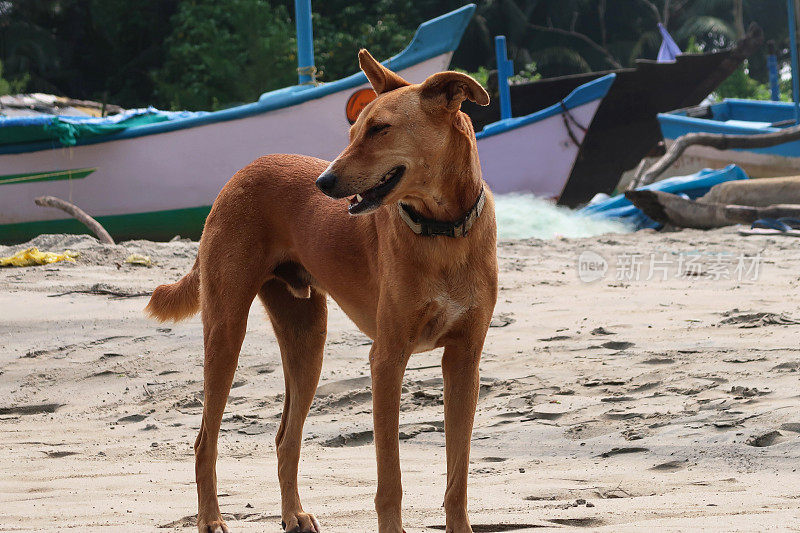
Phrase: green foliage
pixel 384 27
pixel 206 54
pixel 12 86
pixel 86 49
pixel 224 53
pixel 337 39
pixel 741 85
pixel 692 47
pixel 528 73
pixel 126 47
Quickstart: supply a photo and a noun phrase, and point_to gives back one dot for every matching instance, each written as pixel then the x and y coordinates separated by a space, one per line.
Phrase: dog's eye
pixel 377 128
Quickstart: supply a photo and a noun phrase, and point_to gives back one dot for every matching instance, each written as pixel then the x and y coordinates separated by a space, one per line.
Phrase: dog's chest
pixel 441 313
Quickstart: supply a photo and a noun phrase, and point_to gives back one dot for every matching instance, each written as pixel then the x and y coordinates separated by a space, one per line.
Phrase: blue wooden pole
pixel 505 69
pixel 774 84
pixel 305 41
pixel 795 70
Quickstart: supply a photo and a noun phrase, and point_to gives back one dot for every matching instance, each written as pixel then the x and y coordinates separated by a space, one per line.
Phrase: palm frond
pixel 648 40
pixel 562 57
pixel 705 25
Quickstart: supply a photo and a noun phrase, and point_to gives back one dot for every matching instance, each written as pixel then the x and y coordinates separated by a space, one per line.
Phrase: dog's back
pixel 271 210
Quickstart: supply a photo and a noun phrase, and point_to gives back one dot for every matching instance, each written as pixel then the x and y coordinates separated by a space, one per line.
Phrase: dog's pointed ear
pixel 381 78
pixel 449 89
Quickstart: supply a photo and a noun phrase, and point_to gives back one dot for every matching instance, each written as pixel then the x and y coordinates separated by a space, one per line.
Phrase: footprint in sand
pixel 741 392
pixel 767 439
pixel 191 520
pixel 257 429
pixel 553 410
pixel 794 427
pixel 616 414
pixel 493 528
pixel 788 366
pixel 623 450
pixel 556 338
pixel 409 431
pixel 59 454
pixel 577 522
pixel 617 345
pixel 34 409
pixel 658 361
pixel 669 466
pixel 738 360
pixel 263 369
pixel 502 320
pixel 361 438
pixel 357 438
pixel 342 386
pixel 614 399
pixel 757 320
pixel 131 418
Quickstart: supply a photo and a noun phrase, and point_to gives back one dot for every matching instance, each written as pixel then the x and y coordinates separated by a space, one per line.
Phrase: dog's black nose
pixel 326 182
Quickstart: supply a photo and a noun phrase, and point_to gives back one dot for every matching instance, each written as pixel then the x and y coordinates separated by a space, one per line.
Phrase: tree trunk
pixel 738 17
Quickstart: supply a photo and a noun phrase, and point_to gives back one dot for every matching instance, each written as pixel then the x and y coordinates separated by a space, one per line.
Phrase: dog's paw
pixel 214 526
pixel 301 523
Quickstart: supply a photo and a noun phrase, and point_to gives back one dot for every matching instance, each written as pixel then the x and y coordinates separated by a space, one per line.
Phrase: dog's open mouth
pixel 372 197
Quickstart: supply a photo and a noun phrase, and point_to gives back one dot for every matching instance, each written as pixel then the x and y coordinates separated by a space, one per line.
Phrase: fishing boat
pixel 734 117
pixel 535 153
pixel 743 117
pixel 625 129
pixel 150 174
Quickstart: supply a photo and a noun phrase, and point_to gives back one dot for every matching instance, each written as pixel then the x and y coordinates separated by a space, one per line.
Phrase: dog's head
pixel 403 139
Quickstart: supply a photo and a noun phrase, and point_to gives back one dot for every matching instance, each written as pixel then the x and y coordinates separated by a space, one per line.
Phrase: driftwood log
pixel 672 209
pixel 720 141
pixel 77 213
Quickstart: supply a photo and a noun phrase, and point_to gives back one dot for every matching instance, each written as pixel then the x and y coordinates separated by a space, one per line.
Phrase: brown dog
pixel 416 273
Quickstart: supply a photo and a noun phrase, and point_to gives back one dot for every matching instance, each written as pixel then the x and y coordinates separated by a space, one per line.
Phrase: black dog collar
pixel 430 228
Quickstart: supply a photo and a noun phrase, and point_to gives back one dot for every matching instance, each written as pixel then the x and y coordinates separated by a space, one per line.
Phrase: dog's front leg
pixel 387 365
pixel 461 387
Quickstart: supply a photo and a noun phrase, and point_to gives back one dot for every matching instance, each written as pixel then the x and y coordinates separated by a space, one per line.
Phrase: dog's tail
pixel 176 301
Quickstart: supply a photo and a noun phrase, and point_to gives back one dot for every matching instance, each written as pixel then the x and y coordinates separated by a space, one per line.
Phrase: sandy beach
pixel 647 394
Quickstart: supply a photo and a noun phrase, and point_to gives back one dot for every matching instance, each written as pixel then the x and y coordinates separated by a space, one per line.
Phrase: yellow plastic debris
pixel 140 260
pixel 32 256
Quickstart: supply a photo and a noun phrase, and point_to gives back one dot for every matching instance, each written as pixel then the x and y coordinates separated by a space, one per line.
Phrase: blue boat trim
pixel 693 186
pixel 432 38
pixel 594 90
pixel 735 116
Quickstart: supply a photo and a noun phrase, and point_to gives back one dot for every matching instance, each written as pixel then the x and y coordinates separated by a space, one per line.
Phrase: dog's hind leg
pixel 225 303
pixel 300 326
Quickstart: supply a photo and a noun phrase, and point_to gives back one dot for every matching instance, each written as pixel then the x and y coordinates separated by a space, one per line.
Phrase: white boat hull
pixel 161 182
pixel 184 168
pixel 538 157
